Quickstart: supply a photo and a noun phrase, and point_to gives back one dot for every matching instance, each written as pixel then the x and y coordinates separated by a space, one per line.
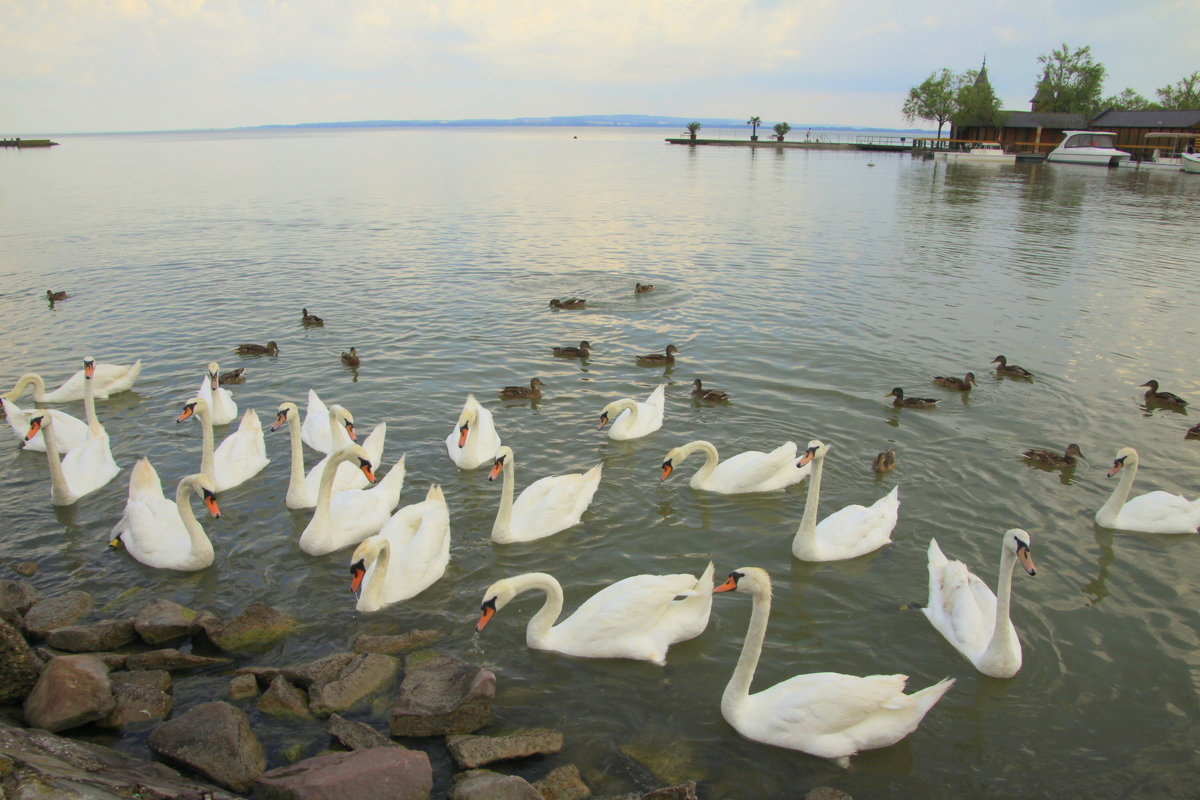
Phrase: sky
pixel 72 66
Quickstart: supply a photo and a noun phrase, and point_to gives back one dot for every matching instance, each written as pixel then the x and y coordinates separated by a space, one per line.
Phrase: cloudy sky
pixel 125 65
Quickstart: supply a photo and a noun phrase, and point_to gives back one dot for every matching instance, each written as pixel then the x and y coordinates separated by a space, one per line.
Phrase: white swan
pixel 638 617
pixel 71 431
pixel 95 453
pixel 752 471
pixel 317 433
pixel 1154 512
pixel 241 455
pixel 82 471
pixel 848 533
pixel 406 557
pixel 474 440
pixel 110 379
pixel 220 401
pixel 349 517
pixel 545 507
pixel 825 714
pixel 963 609
pixel 634 419
pixel 303 489
pixel 162 534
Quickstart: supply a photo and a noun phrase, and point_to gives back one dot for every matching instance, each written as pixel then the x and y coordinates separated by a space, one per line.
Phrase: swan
pixel 162 534
pixel 316 431
pixel 349 517
pixel 963 609
pixel 71 431
pixel 474 440
pixel 545 507
pixel 752 471
pixel 1155 512
pixel 418 536
pixel 850 532
pixel 220 401
pixel 83 470
pixel 303 489
pixel 824 714
pixel 638 617
pixel 241 455
pixel 635 419
pixel 110 379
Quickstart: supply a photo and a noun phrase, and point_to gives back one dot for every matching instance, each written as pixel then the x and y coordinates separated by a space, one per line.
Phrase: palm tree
pixel 755 121
pixel 692 127
pixel 781 130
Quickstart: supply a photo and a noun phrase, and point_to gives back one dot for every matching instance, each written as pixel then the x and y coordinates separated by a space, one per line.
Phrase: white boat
pixel 989 152
pixel 1088 147
pixel 1191 162
pixel 1169 150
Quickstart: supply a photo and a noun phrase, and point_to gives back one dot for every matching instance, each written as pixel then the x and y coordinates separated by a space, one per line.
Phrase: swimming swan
pixel 1154 512
pixel 316 432
pixel 638 617
pixel 825 714
pixel 162 534
pixel 850 532
pixel 963 609
pixel 474 440
pixel 752 471
pixel 71 431
pixel 406 557
pixel 83 470
pixel 349 517
pixel 110 379
pixel 220 401
pixel 634 419
pixel 303 489
pixel 241 455
pixel 545 507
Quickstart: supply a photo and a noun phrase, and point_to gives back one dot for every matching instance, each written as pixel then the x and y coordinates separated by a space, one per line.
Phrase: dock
pixel 19 142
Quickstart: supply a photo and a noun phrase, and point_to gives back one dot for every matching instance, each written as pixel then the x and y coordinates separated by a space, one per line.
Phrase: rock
pixel 481 784
pixel 356 735
pixel 470 751
pixel 684 791
pixel 214 739
pixel 162 621
pixel 367 674
pixel 25 568
pixel 827 793
pixel 674 765
pixel 283 699
pixel 391 772
pixel 257 627
pixel 442 695
pixel 158 679
pixel 170 659
pixel 322 670
pixel 16 598
pixel 242 687
pixel 564 783
pixel 71 691
pixel 138 702
pixel 57 612
pixel 391 645
pixel 104 635
pixel 207 623
pixel 19 667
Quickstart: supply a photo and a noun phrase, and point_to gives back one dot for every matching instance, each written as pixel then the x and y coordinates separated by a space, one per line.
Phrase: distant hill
pixel 580 121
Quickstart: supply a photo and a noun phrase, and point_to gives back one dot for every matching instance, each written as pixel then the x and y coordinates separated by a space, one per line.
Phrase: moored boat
pixel 1088 147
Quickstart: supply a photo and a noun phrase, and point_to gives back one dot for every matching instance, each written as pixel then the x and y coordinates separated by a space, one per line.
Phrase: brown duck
pixel 531 392
pixel 232 376
pixel 665 357
pixel 1011 370
pixel 713 395
pixel 1155 397
pixel 269 349
pixel 885 461
pixel 1193 432
pixel 52 296
pixel 1048 458
pixel 310 319
pixel 583 351
pixel 351 359
pixel 910 402
pixel 642 288
pixel 570 302
pixel 958 384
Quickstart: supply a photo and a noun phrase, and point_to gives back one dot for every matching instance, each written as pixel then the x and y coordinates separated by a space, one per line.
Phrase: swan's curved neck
pixel 207 461
pixel 710 458
pixel 200 543
pixel 321 516
pixel 625 404
pixel 738 687
pixel 1111 509
pixel 89 402
pixel 1002 632
pixel 39 388
pixel 502 527
pixel 808 524
pixel 60 492
pixel 296 481
pixel 373 595
pixel 538 632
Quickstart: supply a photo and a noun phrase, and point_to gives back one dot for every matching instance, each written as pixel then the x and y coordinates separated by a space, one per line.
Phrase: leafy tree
pixel 975 103
pixel 932 100
pixel 781 130
pixel 692 128
pixel 1129 100
pixel 755 121
pixel 1070 82
pixel 1184 94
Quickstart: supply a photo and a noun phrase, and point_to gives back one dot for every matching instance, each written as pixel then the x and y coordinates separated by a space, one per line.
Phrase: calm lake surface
pixel 807 284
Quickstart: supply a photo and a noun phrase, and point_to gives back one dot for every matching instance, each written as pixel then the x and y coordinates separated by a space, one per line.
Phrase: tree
pixel 692 127
pixel 1129 100
pixel 975 103
pixel 781 130
pixel 1070 82
pixel 755 121
pixel 932 100
pixel 1184 94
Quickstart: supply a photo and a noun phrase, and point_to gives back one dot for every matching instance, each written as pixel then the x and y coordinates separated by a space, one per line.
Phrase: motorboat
pixel 1191 162
pixel 1169 150
pixel 982 152
pixel 1088 147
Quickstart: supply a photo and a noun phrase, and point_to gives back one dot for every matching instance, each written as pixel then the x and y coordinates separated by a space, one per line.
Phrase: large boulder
pixel 441 695
pixel 71 691
pixel 356 735
pixel 282 699
pixel 471 751
pixel 365 675
pixel 564 783
pixel 19 667
pixel 107 634
pixel 214 739
pixel 481 784
pixel 16 598
pixel 391 772
pixel 142 696
pixel 59 611
pixel 161 621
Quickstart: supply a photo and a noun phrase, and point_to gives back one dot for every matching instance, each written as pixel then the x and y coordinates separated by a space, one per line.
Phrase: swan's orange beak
pixel 1120 462
pixel 486 612
pixel 350 431
pixel 210 502
pixel 188 410
pixel 89 369
pixel 35 425
pixel 729 585
pixel 280 419
pixel 462 434
pixel 666 469
pixel 357 572
pixel 365 466
pixel 603 420
pixel 807 457
pixel 497 466
pixel 1026 559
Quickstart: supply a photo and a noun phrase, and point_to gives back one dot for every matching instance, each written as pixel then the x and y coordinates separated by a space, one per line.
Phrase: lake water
pixel 805 283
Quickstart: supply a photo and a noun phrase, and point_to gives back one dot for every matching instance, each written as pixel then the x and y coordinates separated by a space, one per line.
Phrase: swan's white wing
pixel 822 704
pixel 627 607
pixel 112 379
pixel 1159 512
pixel 69 431
pixel 755 471
pixel 553 503
pixel 315 430
pixel 859 529
pixel 90 465
pixel 967 610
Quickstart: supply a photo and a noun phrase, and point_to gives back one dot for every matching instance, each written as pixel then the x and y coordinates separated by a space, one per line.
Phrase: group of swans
pixel 162 534
pixel 303 488
pixel 109 379
pixel 220 401
pixel 346 518
pixel 240 456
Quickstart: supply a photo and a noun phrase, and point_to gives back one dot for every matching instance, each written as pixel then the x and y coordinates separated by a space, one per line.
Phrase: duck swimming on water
pixel 712 395
pixel 269 349
pixel 910 402
pixel 531 392
pixel 310 319
pixel 583 351
pixel 351 359
pixel 1012 370
pixel 1049 458
pixel 1155 397
pixel 654 359
pixel 570 302
pixel 963 384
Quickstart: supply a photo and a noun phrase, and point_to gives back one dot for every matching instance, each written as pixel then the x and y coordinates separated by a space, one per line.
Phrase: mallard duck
pixel 963 384
pixel 1051 459
pixel 1012 370
pixel 232 376
pixel 583 351
pixel 1193 432
pixel 531 392
pixel 714 395
pixel 570 302
pixel 885 461
pixel 351 359
pixel 310 319
pixel 269 349
pixel 654 359
pixel 52 296
pixel 1155 397
pixel 910 402
pixel 642 288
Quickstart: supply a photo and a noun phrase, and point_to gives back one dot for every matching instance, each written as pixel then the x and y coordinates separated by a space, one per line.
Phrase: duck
pixel 316 431
pixel 232 376
pixel 240 456
pixel 638 617
pixel 825 714
pixel 642 288
pixel 351 359
pixel 711 395
pixel 474 441
pixel 303 489
pixel 220 401
pixel 1193 432
pixel 310 319
pixel 583 351
pixel 1011 370
pixel 531 392
pixel 162 534
pixel 54 296
pixel 885 461
pixel 1154 397
pixel 268 349
pixel 1154 512
pixel 81 471
pixel 70 431
pixel 657 359
pixel 570 302
pixel 847 533
pixel 962 384
pixel 632 419
pixel 1049 458
pixel 910 402
pixel 976 622
pixel 346 518
pixel 544 507
pixel 406 557
pixel 751 471
pixel 110 379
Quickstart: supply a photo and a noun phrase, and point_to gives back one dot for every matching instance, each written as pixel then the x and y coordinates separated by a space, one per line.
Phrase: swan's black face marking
pixel 603 420
pixel 365 466
pixel 89 368
pixel 35 425
pixel 210 502
pixel 188 410
pixel 486 611
pixel 731 583
pixel 1116 467
pixel 280 419
pixel 357 571
pixel 667 466
pixel 497 466
pixel 350 431
pixel 462 434
pixel 808 456
pixel 1025 557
